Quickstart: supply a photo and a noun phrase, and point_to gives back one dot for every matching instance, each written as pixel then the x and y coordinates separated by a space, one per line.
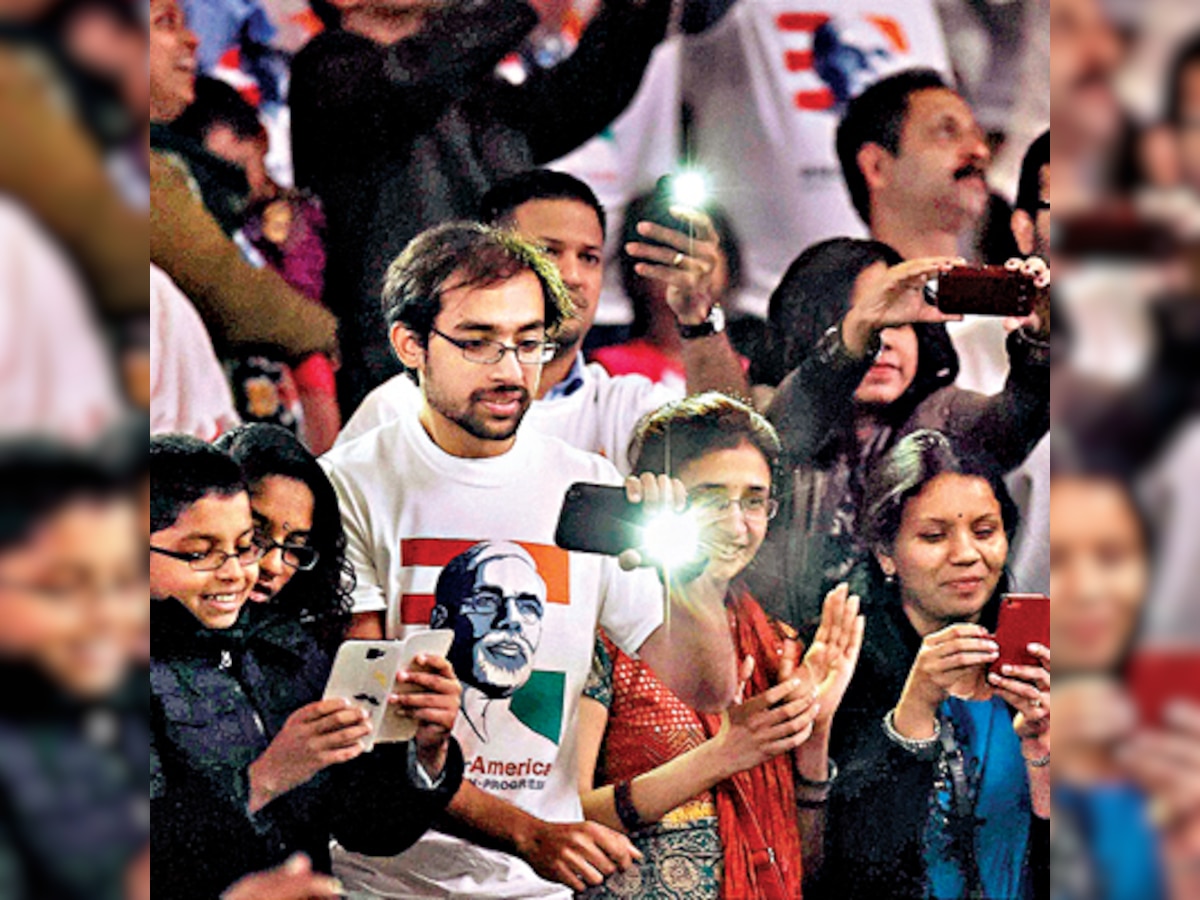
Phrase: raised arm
pixel 240 305
pixel 560 108
pixel 684 263
pixel 816 396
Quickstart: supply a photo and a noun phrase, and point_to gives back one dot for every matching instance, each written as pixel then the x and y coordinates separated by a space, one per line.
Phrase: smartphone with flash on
pixel 599 518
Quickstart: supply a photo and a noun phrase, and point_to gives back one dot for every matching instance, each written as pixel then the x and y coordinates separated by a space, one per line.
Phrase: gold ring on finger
pixel 678 260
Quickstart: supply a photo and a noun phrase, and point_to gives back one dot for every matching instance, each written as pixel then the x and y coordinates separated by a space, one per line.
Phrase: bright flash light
pixel 689 189
pixel 672 539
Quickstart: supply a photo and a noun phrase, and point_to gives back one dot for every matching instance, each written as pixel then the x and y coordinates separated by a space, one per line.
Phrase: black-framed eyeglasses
pixel 532 352
pixel 300 557
pixel 211 560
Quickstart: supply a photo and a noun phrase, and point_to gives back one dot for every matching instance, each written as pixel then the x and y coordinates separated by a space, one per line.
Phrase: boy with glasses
pixel 247 764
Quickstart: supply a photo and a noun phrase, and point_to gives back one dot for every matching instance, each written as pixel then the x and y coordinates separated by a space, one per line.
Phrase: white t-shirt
pixel 766 96
pixel 409 510
pixel 599 417
pixel 188 389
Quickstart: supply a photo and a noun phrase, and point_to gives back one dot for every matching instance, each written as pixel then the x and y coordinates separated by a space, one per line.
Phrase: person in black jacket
pixel 400 122
pixel 944 788
pixel 870 361
pixel 74 729
pixel 248 765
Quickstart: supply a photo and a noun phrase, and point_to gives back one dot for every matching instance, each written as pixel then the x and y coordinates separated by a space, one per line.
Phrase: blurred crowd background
pixel 747 92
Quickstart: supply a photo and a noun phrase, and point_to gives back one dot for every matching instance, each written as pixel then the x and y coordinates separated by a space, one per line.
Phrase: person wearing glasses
pixel 730 804
pixel 73 727
pixel 578 401
pixel 495 600
pixel 248 765
pixel 303 575
pixel 475 314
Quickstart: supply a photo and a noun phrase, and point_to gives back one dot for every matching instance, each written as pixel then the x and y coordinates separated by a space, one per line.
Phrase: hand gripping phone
pixel 1024 619
pixel 984 291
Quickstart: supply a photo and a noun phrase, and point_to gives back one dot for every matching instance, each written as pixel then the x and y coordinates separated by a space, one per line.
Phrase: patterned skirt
pixel 682 862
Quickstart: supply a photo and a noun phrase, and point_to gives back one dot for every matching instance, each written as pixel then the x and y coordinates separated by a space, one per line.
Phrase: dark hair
pixel 645 207
pixel 1093 462
pixel 218 103
pixel 183 470
pixel 876 116
pixel 124 450
pixel 1187 56
pixel 482 256
pixel 904 471
pixel 330 15
pixel 39 477
pixel 814 294
pixel 499 203
pixel 1029 189
pixel 686 430
pixel 322 594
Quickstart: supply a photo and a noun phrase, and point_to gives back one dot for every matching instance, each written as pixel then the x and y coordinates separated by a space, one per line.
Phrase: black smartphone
pixel 984 291
pixel 598 518
pixel 660 210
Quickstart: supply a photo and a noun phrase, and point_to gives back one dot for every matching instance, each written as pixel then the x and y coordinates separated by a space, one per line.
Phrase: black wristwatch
pixel 714 324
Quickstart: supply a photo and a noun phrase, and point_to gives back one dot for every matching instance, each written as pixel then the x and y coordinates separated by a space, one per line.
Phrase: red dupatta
pixel 756 809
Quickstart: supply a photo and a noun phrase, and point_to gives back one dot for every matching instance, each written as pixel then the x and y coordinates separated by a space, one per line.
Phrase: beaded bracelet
pixel 1039 763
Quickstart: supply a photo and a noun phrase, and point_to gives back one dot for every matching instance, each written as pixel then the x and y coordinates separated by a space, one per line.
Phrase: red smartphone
pixel 1024 619
pixel 1158 677
pixel 984 291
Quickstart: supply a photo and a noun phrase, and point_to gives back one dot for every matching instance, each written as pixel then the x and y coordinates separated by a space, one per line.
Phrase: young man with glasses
pixel 577 402
pixel 469 306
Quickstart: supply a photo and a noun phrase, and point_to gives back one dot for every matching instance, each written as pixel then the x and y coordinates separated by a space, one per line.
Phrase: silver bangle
pixel 1039 763
pixel 923 747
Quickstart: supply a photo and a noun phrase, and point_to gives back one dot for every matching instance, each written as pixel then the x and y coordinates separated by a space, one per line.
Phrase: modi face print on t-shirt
pixel 500 599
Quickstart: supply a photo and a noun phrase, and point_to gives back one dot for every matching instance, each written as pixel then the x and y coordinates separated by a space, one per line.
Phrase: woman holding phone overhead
pixel 945 781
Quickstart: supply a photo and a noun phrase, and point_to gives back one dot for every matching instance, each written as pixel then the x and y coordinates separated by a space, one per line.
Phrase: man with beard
pixel 494 599
pixel 582 404
pixel 473 313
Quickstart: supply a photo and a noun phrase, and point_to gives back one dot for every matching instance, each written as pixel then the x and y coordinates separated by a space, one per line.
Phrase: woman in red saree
pixel 726 807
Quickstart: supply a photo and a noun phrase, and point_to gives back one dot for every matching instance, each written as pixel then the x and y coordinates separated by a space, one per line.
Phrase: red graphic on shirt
pixel 800 60
pixel 553 564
